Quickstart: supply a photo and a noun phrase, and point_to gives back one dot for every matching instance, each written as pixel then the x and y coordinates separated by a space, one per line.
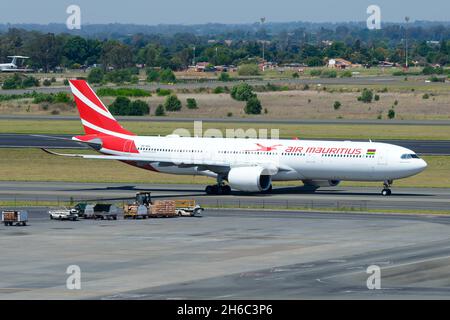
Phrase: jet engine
pixel 249 179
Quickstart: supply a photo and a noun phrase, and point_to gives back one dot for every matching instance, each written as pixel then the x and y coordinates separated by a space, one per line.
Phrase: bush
pixel 218 90
pixel 329 74
pixel 167 76
pixel 120 106
pixel 47 83
pixel 62 97
pixel 96 75
pixel 295 75
pixel 426 96
pixel 191 103
pixel 337 105
pixel 138 108
pixel 315 72
pixel 30 82
pixel 366 96
pixel 163 92
pixel 43 97
pixel 53 79
pixel 152 75
pixel 396 103
pixel 172 103
pixel 346 74
pixel 391 113
pixel 160 111
pixel 120 76
pixel 229 114
pixel 224 76
pixel 249 70
pixel 376 97
pixel 253 106
pixel 242 92
pixel 66 82
pixel 13 82
pixel 124 92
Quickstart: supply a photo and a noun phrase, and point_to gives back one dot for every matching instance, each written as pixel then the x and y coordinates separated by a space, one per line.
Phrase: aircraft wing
pixel 183 162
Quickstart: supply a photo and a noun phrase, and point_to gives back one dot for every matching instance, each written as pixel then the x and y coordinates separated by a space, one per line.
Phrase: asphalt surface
pixel 333 198
pixel 229 255
pixel 423 147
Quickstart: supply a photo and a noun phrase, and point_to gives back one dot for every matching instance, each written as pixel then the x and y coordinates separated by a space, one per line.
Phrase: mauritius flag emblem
pixel 371 152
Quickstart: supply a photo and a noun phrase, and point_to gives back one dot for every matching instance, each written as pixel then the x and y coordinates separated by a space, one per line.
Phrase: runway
pixel 336 198
pixel 422 147
pixel 229 254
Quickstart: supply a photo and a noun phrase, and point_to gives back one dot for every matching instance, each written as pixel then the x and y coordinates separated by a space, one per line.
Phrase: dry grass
pixel 304 131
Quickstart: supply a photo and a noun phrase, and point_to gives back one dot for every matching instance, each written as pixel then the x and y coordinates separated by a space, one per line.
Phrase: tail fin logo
pixel 95 117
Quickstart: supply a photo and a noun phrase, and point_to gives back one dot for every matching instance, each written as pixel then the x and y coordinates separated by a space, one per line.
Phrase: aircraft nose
pixel 421 165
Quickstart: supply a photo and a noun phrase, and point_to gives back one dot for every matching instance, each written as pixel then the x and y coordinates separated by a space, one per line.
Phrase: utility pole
pixel 193 60
pixel 406 41
pixel 263 20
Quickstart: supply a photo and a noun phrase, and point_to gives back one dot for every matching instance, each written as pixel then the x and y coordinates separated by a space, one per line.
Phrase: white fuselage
pixel 294 159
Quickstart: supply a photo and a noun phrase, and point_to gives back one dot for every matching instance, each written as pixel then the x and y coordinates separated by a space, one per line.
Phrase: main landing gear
pixel 387 188
pixel 219 188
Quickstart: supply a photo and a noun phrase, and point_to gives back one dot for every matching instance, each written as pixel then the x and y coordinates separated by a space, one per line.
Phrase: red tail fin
pixel 95 116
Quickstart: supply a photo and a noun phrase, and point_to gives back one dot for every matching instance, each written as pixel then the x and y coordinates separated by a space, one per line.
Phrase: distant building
pixel 339 63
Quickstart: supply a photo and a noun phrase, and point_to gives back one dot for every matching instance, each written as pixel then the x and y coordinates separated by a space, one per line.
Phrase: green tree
pixel 138 108
pixel 116 55
pixel 337 105
pixel 167 76
pixel 253 106
pixel 172 103
pixel 242 92
pixel 120 106
pixel 152 75
pixel 366 96
pixel 191 103
pixel 248 70
pixel 96 75
pixel 391 113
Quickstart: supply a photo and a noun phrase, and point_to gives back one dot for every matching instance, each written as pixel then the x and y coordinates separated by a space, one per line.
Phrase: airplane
pixel 12 66
pixel 248 165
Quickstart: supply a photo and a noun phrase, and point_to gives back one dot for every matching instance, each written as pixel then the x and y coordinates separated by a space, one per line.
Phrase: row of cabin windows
pixel 168 150
pixel 259 152
pixel 348 156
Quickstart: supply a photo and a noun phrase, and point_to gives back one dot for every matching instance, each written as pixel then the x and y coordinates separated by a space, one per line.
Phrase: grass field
pixel 304 131
pixel 35 165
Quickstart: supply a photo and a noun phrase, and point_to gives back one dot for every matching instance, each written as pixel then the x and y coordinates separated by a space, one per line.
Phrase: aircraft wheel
pixel 386 192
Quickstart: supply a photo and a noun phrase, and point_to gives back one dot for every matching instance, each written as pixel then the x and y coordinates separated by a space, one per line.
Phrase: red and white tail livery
pixel 249 165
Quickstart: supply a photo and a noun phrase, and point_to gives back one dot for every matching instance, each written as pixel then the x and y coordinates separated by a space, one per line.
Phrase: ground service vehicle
pixel 101 211
pixel 18 218
pixel 187 208
pixel 64 214
pixel 143 208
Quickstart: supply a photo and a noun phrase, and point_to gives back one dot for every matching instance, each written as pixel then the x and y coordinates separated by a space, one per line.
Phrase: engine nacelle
pixel 321 183
pixel 249 179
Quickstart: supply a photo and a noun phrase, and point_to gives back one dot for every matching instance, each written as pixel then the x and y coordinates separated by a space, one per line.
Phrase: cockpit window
pixel 410 156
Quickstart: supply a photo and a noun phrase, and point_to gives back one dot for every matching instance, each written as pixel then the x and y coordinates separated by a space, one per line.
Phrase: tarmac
pixel 229 254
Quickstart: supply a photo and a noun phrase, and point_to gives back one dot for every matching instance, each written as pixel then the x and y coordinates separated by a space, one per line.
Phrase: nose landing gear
pixel 387 188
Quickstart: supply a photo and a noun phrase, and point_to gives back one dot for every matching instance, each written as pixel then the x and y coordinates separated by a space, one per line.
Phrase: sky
pixel 151 12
